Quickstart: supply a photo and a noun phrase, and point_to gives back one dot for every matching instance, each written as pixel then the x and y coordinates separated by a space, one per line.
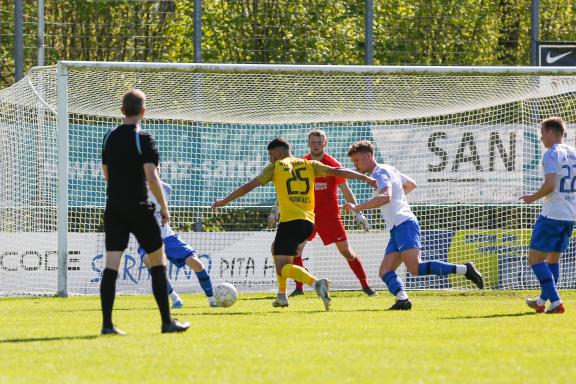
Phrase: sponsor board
pixel 29 262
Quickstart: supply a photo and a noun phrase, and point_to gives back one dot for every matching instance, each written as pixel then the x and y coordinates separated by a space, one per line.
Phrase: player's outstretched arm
pixel 350 174
pixel 239 192
pixel 545 189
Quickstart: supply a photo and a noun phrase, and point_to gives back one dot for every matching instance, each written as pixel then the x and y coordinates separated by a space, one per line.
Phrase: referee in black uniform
pixel 129 160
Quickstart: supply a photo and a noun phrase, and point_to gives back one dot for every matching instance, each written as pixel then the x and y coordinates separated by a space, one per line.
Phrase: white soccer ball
pixel 225 295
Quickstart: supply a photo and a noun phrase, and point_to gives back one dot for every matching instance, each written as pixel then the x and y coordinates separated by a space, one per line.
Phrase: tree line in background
pixel 417 32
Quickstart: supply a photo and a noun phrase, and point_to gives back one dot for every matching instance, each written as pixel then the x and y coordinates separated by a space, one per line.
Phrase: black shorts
pixel 121 219
pixel 290 234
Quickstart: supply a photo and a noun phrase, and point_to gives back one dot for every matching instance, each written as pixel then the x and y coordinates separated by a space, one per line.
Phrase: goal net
pixel 468 136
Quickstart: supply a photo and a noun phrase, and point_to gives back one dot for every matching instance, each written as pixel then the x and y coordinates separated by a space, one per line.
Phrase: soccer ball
pixel 225 295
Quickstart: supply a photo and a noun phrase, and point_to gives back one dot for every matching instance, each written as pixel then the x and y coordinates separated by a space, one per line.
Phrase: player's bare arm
pixel 546 188
pixel 155 186
pixel 239 192
pixel 408 184
pixel 383 198
pixel 350 174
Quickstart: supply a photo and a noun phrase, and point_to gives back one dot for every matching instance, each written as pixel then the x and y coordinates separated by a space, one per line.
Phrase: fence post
pixel 369 32
pixel 534 31
pixel 18 39
pixel 197 31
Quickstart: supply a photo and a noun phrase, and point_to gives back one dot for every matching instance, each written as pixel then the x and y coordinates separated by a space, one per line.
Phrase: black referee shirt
pixel 125 151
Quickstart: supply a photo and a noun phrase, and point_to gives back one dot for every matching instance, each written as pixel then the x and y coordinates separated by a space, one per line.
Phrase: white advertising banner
pixel 484 162
pixel 29 262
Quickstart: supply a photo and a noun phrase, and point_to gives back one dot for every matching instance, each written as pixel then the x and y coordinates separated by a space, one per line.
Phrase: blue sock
pixel 555 269
pixel 546 280
pixel 205 282
pixel 435 268
pixel 393 282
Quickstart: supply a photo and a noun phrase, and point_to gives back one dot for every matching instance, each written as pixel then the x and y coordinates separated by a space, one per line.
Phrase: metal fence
pixel 396 32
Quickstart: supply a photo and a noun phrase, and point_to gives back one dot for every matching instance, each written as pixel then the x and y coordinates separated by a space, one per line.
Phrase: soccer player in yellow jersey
pixel 294 183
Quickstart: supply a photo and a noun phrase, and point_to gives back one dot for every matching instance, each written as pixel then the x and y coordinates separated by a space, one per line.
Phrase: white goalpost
pixel 467 135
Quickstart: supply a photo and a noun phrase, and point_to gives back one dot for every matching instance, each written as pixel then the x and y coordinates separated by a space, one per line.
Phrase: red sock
pixel 299 262
pixel 356 267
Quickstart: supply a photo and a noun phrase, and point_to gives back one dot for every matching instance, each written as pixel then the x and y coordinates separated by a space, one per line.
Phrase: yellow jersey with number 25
pixel 294 183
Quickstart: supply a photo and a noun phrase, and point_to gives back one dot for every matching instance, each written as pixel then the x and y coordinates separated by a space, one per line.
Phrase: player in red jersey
pixel 328 222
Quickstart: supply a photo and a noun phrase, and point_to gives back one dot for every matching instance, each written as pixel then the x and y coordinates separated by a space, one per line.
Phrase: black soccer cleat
pixel 369 291
pixel 175 326
pixel 296 292
pixel 474 275
pixel 112 331
pixel 401 305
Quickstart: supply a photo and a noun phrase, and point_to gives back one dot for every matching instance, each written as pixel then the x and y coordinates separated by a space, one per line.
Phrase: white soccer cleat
pixel 322 288
pixel 212 302
pixel 281 301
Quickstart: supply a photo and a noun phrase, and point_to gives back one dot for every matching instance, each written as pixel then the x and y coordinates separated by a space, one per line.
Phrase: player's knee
pixel 194 263
pixel 347 253
pixel 413 269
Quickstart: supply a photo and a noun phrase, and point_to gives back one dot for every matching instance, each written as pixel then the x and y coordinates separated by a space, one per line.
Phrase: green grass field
pixel 446 338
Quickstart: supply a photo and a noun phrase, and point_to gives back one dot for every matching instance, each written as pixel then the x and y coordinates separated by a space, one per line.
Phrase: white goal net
pixel 468 136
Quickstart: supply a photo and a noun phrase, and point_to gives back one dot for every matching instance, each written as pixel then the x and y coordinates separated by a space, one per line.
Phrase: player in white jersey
pixel 404 245
pixel 553 228
pixel 180 254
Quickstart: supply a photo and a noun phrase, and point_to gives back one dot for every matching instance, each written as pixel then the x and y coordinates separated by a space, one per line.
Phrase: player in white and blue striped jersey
pixel 404 245
pixel 553 228
pixel 179 253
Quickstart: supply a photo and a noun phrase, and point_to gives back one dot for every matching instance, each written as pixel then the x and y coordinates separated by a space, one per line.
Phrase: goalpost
pixel 467 135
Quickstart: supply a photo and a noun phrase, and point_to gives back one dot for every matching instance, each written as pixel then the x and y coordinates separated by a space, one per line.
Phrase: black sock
pixel 107 295
pixel 160 290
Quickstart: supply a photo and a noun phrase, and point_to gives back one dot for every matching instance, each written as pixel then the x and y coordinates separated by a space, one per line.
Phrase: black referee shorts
pixel 121 219
pixel 290 234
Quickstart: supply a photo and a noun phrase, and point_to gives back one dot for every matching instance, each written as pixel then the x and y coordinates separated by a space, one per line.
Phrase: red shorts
pixel 330 231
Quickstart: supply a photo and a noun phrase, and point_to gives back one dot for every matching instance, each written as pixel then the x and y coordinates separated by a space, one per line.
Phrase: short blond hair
pixel 317 132
pixel 361 147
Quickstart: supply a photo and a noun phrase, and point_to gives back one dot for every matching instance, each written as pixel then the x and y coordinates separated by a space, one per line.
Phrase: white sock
pixel 461 269
pixel 555 304
pixel 174 296
pixel 402 295
pixel 540 302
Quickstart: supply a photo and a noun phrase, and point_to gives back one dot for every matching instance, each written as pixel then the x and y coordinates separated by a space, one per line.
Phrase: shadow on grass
pixel 517 314
pixel 257 298
pixel 40 339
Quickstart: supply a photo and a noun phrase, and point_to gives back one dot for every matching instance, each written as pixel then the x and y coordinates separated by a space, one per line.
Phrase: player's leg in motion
pixel 549 239
pixel 174 297
pixel 355 265
pixel 290 238
pixel 553 262
pixel 387 273
pixel 407 236
pixel 299 290
pixel 203 278
pixel 541 269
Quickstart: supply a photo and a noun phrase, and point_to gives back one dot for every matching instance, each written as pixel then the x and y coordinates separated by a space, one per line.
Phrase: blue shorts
pixel 551 235
pixel 404 236
pixel 177 251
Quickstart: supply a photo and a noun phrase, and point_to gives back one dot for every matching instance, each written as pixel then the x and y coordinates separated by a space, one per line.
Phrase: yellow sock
pixel 282 282
pixel 299 274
